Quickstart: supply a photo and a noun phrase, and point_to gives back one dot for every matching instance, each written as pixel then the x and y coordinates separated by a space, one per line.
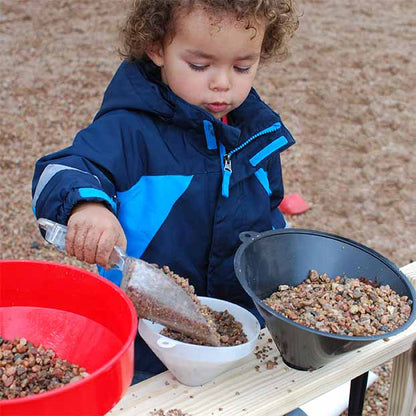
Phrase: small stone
pixel 354 309
pixel 35 245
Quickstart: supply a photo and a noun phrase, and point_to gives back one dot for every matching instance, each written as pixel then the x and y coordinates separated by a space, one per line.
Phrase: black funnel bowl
pixel 284 257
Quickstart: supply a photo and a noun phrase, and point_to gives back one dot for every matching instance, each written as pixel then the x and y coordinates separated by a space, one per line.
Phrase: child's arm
pixel 93 231
pixel 276 186
pixel 274 171
pixel 99 162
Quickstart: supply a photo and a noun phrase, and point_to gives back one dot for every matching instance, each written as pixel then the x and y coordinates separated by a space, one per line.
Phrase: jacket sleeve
pixel 88 170
pixel 276 185
pixel 277 189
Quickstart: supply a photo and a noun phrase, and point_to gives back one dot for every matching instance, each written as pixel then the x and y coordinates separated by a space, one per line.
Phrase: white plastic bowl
pixel 194 365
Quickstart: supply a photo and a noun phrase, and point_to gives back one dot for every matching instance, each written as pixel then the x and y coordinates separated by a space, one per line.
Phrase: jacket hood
pixel 137 86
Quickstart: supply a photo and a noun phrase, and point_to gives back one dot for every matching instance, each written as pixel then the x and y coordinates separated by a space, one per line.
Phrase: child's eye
pixel 197 67
pixel 242 69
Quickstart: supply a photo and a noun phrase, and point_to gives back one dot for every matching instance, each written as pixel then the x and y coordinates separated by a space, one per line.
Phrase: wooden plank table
pixel 252 389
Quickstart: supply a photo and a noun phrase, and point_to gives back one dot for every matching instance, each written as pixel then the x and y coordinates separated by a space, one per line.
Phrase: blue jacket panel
pixel 182 183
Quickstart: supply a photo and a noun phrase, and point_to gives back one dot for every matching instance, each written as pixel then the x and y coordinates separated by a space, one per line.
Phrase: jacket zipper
pixel 227 157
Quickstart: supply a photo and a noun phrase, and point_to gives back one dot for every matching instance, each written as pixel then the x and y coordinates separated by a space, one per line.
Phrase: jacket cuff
pixel 85 194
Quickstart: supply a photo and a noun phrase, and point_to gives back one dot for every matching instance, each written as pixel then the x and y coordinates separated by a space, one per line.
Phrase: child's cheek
pixel 190 89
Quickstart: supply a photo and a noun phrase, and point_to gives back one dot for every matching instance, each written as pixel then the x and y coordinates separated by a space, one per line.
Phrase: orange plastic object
pixel 293 204
pixel 84 318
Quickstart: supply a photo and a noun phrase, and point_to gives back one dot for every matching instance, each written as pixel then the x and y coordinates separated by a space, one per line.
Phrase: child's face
pixel 210 63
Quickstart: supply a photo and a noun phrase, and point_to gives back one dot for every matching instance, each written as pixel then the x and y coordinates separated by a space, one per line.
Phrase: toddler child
pixel 183 155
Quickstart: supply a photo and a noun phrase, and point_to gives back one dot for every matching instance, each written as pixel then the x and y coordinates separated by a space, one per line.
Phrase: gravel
pixel 346 92
pixel 342 305
pixel 27 369
pixel 230 332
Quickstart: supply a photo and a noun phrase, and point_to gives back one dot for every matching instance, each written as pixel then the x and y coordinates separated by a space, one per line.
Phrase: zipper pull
pixel 226 177
pixel 227 162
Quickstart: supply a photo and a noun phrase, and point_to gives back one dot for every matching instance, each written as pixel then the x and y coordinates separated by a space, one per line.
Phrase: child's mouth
pixel 216 107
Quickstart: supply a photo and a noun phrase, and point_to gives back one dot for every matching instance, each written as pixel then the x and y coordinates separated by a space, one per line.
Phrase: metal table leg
pixel 357 394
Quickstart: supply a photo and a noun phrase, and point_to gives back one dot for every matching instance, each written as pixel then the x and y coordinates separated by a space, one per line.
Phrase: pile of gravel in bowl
pixel 342 305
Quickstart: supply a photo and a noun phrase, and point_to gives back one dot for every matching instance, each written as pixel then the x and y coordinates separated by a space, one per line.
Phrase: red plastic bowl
pixel 84 318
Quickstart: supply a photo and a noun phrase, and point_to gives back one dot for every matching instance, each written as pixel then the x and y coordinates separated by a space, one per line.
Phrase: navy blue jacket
pixel 182 183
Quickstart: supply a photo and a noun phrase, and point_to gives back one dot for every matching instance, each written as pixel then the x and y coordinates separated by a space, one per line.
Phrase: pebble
pixel 344 306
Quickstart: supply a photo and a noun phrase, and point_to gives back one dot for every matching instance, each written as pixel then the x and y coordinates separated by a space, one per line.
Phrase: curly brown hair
pixel 149 21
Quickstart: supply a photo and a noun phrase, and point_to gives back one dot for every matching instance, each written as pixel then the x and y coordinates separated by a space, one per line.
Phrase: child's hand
pixel 93 231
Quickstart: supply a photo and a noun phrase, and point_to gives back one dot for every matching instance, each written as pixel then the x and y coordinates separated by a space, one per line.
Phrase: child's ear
pixel 155 53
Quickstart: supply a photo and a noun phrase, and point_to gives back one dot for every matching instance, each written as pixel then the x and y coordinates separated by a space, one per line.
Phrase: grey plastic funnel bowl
pixel 272 258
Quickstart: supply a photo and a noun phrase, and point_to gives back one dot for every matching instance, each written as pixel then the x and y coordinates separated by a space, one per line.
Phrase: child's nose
pixel 220 81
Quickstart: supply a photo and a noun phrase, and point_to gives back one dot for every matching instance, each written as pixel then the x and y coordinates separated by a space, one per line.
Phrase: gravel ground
pixel 346 92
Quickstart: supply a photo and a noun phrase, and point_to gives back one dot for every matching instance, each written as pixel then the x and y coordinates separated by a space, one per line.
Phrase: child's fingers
pixel 92 233
pixel 79 242
pixel 90 245
pixel 105 246
pixel 70 239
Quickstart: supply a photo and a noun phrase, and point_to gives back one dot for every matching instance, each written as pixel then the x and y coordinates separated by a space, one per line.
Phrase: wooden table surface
pixel 252 389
